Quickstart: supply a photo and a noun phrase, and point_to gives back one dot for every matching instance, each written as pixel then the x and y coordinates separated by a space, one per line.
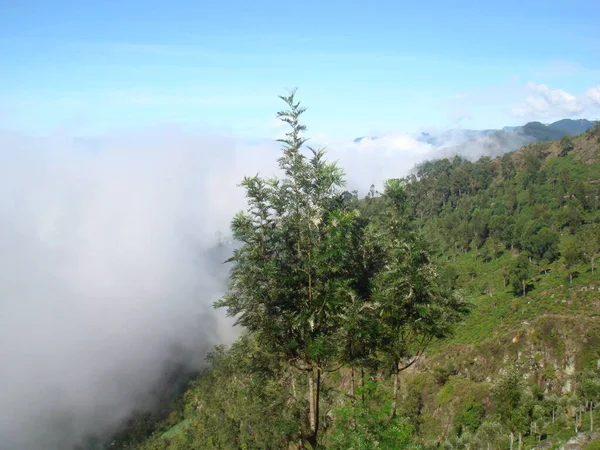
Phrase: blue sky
pixel 361 68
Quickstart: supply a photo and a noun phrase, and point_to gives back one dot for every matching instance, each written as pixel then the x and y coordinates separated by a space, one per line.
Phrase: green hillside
pixel 539 205
pixel 457 309
pixel 572 127
pixel 541 132
pixel 557 130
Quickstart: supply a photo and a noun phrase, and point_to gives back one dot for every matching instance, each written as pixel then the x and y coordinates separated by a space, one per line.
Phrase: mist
pixel 371 160
pixel 106 275
pixel 109 265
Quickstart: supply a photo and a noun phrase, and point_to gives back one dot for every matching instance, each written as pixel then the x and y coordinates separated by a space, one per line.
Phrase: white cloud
pixel 593 95
pixel 544 102
pixel 373 160
pixel 105 269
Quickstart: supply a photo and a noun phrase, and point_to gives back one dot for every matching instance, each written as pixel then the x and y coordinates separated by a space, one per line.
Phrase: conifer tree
pixel 293 276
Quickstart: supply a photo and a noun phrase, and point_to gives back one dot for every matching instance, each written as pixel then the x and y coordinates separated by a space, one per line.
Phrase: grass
pixel 175 430
pixel 498 311
pixel 594 445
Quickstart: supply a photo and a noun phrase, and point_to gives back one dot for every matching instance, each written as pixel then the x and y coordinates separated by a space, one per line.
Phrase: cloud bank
pixel 106 275
pixel 544 102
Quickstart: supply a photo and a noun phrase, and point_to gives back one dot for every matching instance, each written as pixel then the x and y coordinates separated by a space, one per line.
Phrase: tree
pixel 508 166
pixel 544 244
pixel 506 271
pixel 521 273
pixel 412 305
pixel 570 256
pixel 566 146
pixel 589 240
pixel 469 418
pixel 589 390
pixel 533 163
pixel 479 224
pixel 508 396
pixel 463 235
pixel 491 249
pixel 544 266
pixel 291 278
pixel 360 327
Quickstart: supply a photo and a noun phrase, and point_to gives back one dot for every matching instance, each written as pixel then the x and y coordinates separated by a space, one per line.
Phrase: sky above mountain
pixel 362 68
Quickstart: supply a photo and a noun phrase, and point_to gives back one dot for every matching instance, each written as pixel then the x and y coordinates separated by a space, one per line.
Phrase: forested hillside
pixel 457 309
pixel 528 221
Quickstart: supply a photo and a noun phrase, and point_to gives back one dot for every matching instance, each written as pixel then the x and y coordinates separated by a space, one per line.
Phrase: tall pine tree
pixel 293 277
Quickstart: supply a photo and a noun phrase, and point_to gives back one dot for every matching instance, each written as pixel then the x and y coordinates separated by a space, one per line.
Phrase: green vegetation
pixel 542 132
pixel 595 445
pixel 572 127
pixel 357 332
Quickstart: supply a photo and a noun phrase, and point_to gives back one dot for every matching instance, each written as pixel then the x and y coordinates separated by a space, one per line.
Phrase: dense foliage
pixel 541 203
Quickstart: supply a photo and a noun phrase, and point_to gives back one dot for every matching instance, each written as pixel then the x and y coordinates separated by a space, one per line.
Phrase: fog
pixel 108 270
pixel 105 270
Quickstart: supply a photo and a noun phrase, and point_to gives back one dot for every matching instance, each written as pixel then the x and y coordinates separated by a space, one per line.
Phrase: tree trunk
pixel 352 392
pixel 395 396
pixel 294 385
pixel 520 441
pixel 552 415
pixel 591 417
pixel 570 278
pixel 512 440
pixel 314 387
pixel 311 400
pixel 317 402
pixel 362 385
pixel 524 284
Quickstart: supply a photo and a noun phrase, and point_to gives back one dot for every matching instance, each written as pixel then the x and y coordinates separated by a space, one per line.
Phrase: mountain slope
pixel 541 133
pixel 572 127
pixel 519 235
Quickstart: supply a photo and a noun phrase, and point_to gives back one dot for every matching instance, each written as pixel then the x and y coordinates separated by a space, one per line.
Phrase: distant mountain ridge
pixel 538 131
pixel 492 142
pixel 572 127
pixel 498 142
